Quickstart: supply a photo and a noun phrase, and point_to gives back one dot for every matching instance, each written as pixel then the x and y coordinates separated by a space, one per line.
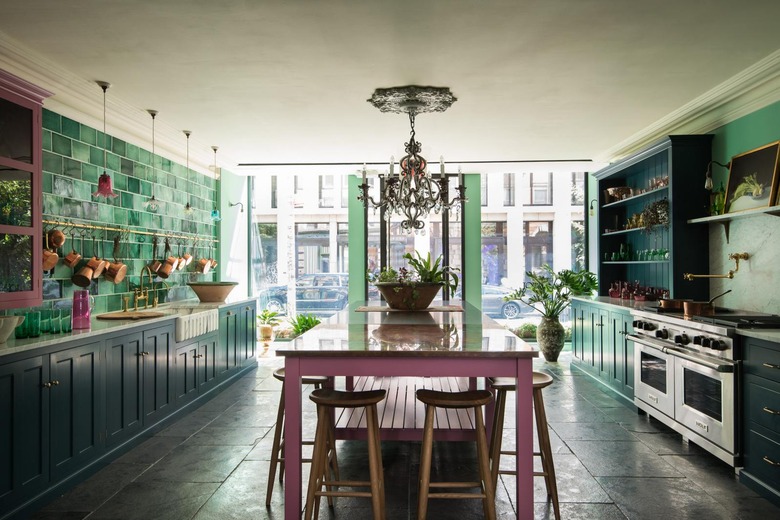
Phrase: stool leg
pixel 315 482
pixel 425 463
pixel 275 450
pixel 375 464
pixel 496 436
pixel 489 502
pixel 548 467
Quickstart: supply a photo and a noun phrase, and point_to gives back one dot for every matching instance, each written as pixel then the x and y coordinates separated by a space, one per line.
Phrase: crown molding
pixel 754 88
pixel 82 100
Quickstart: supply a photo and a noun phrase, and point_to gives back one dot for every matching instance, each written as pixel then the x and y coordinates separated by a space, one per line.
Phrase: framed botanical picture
pixel 753 179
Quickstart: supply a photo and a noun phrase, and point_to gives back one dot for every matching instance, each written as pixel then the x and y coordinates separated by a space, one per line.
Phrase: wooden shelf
pixel 631 199
pixel 728 217
pixel 635 262
pixel 624 231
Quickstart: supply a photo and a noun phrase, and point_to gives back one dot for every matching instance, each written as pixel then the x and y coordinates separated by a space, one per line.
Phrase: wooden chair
pixel 328 399
pixel 502 385
pixel 474 399
pixel 277 450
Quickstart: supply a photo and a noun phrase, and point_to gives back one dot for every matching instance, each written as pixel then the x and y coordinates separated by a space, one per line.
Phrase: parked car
pixel 320 293
pixel 493 303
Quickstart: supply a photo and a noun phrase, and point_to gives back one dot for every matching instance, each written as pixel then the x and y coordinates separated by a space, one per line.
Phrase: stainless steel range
pixel 687 374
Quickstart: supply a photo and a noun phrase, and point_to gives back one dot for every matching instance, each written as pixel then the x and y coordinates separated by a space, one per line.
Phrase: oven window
pixel 703 393
pixel 653 372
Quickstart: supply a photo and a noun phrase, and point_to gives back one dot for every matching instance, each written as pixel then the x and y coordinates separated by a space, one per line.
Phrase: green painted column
pixel 358 255
pixel 472 241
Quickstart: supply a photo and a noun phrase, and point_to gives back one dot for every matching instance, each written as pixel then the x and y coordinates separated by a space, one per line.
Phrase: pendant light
pixel 152 205
pixel 104 182
pixel 215 212
pixel 188 209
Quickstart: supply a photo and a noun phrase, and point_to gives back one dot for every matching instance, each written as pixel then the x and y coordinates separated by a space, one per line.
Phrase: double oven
pixel 686 375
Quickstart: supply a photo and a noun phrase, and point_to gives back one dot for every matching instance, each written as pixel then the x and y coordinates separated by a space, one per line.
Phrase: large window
pixel 493 252
pixel 577 245
pixel 312 248
pixel 327 191
pixel 274 202
pixel 538 244
pixel 541 189
pixel 509 189
pixel 578 189
pixel 483 189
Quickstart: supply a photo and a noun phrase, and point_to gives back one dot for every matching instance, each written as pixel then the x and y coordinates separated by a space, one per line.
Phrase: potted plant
pixel 300 323
pixel 266 321
pixel 414 287
pixel 549 293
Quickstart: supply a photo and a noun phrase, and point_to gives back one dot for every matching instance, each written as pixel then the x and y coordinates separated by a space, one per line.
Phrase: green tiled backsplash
pixel 73 159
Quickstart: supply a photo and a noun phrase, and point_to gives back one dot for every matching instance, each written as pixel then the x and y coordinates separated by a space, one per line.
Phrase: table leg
pixel 524 440
pixel 292 437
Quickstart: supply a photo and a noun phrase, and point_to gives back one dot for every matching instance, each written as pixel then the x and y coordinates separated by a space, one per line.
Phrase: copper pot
pixel 72 259
pixel 702 308
pixel 155 266
pixel 56 238
pixel 168 267
pixel 204 265
pixel 50 259
pixel 672 304
pixel 83 278
pixel 116 272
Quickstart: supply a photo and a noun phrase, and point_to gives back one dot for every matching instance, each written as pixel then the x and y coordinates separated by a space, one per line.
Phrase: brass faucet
pixel 156 300
pixel 143 294
pixel 733 256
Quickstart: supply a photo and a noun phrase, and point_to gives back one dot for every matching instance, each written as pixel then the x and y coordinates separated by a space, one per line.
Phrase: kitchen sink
pixel 132 315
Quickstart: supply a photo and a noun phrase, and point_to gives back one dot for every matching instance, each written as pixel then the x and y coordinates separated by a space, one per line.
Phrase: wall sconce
pixel 593 208
pixel 231 204
pixel 708 180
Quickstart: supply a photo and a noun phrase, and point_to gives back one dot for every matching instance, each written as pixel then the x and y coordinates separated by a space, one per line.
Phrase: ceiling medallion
pixel 413 194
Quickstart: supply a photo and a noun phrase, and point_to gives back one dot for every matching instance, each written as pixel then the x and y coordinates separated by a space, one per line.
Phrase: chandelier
pixel 413 194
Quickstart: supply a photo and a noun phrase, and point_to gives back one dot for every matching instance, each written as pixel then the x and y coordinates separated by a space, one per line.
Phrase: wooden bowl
pixel 212 292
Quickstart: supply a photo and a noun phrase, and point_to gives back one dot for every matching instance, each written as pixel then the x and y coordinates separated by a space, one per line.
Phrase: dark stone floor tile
pixel 157 500
pixel 670 444
pixel 217 436
pixel 714 476
pixel 241 496
pixel 573 412
pixel 579 511
pixel 752 509
pixel 94 491
pixel 192 463
pixel 151 450
pixel 59 515
pixel 656 498
pixel 556 444
pixel 605 399
pixel 606 431
pixel 189 424
pixel 621 458
pixel 633 421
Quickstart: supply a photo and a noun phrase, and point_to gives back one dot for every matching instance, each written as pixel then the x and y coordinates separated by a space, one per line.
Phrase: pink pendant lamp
pixel 105 188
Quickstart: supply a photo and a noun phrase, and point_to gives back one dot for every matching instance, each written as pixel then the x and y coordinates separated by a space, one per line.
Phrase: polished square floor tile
pixel 611 464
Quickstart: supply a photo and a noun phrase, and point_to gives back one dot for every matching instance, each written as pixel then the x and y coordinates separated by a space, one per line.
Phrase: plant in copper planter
pixel 414 287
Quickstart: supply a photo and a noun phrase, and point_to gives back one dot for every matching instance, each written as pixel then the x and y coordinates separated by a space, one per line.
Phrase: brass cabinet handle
pixel 229 313
pixel 770 365
pixel 770 461
pixel 55 383
pixel 46 385
pixel 49 384
pixel 145 353
pixel 248 308
pixel 197 356
pixel 769 410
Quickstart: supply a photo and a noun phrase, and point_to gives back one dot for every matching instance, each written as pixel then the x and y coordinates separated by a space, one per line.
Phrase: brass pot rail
pixel 175 236
pixel 733 256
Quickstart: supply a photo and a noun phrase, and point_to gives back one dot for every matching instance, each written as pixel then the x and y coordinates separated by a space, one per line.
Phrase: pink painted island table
pixel 376 346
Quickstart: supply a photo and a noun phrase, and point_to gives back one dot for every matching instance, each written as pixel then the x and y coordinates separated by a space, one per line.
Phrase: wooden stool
pixel 502 385
pixel 472 399
pixel 277 451
pixel 327 399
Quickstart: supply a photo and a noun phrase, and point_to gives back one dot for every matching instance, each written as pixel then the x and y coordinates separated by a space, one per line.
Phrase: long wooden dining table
pixel 450 340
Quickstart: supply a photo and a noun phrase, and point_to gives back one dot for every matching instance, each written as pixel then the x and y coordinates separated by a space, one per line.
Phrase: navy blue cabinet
pixel 157 359
pixel 761 424
pixel 124 363
pixel 195 368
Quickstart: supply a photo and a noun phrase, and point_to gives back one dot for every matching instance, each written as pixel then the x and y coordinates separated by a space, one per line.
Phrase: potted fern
pixel 549 293
pixel 266 321
pixel 414 287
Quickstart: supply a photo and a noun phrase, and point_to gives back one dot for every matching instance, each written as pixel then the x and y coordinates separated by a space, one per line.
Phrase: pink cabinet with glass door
pixel 21 246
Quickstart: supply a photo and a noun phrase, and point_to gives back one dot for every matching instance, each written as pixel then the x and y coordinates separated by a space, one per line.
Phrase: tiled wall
pixel 73 159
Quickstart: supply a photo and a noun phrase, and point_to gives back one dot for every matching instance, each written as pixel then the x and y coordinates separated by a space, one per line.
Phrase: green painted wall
pixel 73 159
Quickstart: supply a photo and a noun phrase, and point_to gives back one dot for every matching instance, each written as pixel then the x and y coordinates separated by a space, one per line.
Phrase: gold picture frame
pixel 753 179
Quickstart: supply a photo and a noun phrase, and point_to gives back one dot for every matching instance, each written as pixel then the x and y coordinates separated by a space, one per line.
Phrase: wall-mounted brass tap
pixel 733 256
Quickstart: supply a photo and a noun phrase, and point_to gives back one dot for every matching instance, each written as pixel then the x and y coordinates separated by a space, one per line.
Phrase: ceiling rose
pixel 412 99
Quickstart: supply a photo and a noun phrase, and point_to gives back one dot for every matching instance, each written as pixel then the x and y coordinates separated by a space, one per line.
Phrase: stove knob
pixel 699 340
pixel 662 333
pixel 682 339
pixel 706 342
pixel 648 326
pixel 637 324
pixel 718 344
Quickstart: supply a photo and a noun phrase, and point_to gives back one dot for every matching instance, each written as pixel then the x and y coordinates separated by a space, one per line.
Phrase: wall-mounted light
pixel 592 207
pixel 231 204
pixel 708 180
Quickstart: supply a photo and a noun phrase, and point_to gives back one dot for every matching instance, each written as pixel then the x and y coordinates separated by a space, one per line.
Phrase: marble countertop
pixel 99 327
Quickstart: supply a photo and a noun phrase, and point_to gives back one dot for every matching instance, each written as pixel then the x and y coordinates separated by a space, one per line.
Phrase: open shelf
pixel 726 219
pixel 635 262
pixel 635 197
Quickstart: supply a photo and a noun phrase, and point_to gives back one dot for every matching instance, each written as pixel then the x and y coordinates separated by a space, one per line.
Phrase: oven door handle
pixel 646 342
pixel 718 367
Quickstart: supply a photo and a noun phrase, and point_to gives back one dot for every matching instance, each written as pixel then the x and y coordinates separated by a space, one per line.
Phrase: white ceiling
pixel 287 81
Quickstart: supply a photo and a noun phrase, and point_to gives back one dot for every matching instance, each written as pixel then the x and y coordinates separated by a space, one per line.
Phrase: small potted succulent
pixel 414 287
pixel 550 293
pixel 266 321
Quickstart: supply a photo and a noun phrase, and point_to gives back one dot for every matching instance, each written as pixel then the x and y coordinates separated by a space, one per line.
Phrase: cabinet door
pixel 577 323
pixel 626 348
pixel 186 373
pixel 601 343
pixel 206 363
pixel 24 430
pixel 75 419
pixel 229 321
pixel 157 358
pixel 124 362
pixel 587 335
pixel 247 336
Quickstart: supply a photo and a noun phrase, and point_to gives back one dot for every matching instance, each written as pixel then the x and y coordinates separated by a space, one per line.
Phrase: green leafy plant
pixel 748 186
pixel 525 331
pixel 549 292
pixel 268 318
pixel 655 214
pixel 300 323
pixel 421 270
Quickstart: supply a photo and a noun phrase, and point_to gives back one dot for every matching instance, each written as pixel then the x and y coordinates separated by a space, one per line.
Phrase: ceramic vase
pixel 550 336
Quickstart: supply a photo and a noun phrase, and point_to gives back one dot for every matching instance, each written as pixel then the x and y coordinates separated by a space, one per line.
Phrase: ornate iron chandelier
pixel 413 194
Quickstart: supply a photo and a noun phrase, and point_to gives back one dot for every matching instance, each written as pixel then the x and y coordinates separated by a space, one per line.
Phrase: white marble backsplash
pixel 756 287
